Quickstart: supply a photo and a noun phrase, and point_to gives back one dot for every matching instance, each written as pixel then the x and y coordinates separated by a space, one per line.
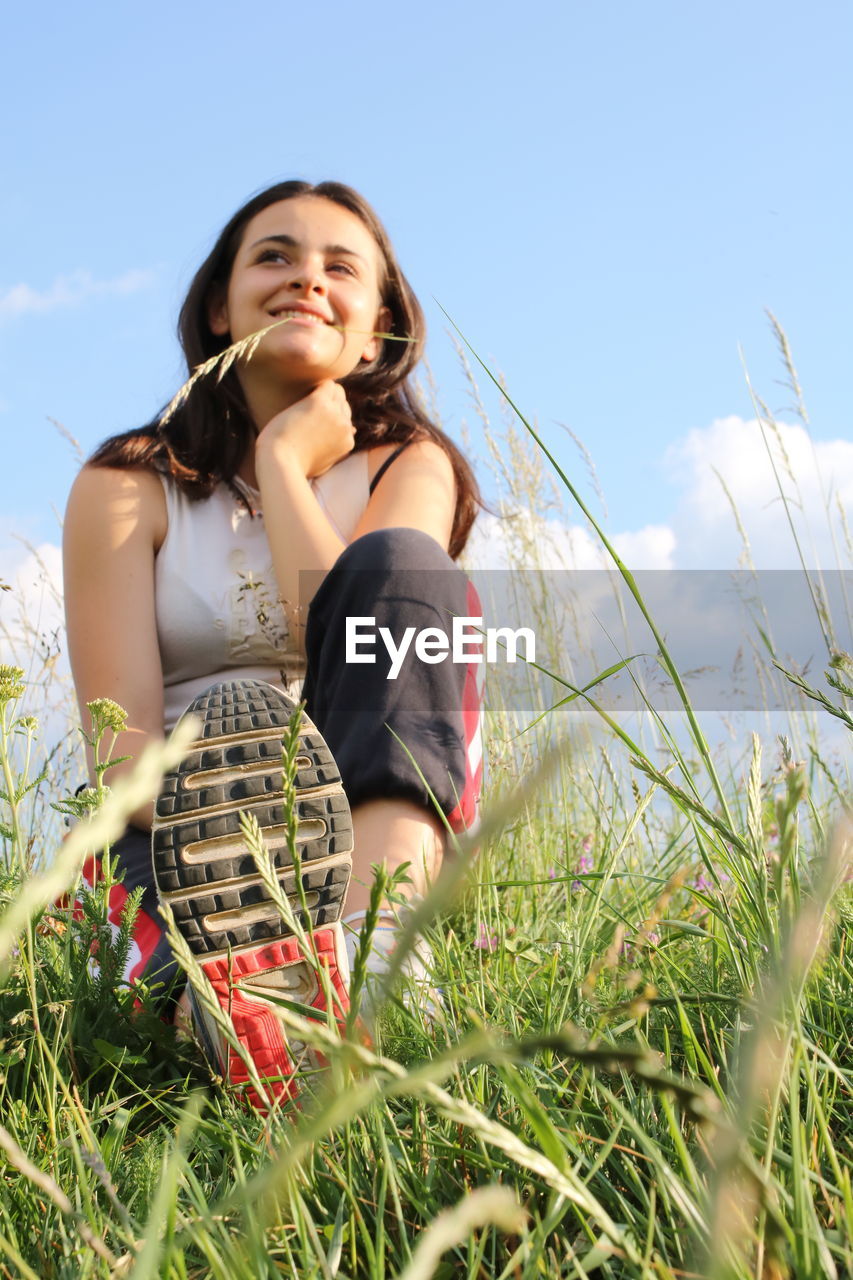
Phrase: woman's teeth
pixel 292 314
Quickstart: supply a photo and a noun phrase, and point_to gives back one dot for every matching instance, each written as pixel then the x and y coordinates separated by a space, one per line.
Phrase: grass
pixel 642 1068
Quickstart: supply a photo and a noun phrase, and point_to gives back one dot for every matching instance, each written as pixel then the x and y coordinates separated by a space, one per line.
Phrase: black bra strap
pixel 386 464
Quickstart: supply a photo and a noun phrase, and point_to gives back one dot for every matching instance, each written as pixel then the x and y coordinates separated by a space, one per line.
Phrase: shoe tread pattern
pixel 188 815
pixel 316 769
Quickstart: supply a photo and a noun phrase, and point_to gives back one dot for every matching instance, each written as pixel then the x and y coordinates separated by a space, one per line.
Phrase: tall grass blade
pixel 486 1206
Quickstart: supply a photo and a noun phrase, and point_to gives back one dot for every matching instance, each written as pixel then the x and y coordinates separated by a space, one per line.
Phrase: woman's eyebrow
pixel 291 243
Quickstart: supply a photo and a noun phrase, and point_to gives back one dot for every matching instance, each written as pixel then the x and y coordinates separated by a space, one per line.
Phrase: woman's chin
pixel 307 356
pixel 306 369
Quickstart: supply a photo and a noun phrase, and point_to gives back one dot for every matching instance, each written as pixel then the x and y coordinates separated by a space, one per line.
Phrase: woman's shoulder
pixel 120 500
pixel 420 455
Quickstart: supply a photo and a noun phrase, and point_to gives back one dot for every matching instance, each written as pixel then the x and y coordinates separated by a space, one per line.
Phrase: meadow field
pixel 640 1063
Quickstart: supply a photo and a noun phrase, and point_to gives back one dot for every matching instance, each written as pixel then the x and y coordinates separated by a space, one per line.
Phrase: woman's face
pixel 312 262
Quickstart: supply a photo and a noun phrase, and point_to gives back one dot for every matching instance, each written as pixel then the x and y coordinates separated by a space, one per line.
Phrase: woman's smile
pixel 298 315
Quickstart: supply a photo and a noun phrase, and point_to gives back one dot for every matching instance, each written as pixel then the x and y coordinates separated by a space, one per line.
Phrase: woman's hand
pixel 316 432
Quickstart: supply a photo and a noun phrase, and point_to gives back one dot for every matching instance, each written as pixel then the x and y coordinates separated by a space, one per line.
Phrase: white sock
pixel 382 942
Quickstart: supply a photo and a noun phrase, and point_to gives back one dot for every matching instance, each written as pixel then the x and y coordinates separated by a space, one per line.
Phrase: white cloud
pixel 814 475
pixel 525 541
pixel 702 531
pixel 32 636
pixel 652 547
pixel 69 291
pixel 31 611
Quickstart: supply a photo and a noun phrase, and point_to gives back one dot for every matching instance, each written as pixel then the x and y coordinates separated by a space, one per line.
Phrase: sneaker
pixel 207 875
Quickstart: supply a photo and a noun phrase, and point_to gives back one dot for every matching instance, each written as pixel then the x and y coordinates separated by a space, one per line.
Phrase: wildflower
pixel 586 844
pixel 632 951
pixel 486 941
pixel 87 799
pixel 11 682
pixel 106 714
pixel 552 873
pixel 702 885
pixel 584 864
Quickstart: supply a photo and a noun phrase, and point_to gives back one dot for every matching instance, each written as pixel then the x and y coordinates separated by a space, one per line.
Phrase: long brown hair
pixel 206 440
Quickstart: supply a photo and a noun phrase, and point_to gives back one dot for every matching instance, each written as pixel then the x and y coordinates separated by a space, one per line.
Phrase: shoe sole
pixel 205 872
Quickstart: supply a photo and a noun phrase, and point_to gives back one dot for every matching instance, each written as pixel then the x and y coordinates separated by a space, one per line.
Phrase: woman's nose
pixel 309 279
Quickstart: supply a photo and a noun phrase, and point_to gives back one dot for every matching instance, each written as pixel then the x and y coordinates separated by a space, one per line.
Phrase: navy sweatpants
pixel 392 738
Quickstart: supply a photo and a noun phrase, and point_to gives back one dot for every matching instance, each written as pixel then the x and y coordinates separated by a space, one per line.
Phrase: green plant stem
pixel 628 577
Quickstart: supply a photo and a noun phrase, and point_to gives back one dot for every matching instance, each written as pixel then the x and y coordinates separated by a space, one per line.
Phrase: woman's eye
pixel 272 255
pixel 341 266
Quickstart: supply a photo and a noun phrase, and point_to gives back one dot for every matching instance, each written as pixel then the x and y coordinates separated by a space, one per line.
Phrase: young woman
pixel 234 538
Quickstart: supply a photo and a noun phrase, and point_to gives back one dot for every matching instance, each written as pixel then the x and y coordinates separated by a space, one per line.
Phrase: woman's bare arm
pixel 114 523
pixel 418 491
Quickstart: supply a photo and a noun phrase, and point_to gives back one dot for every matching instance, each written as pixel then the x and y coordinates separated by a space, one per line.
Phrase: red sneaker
pixel 205 872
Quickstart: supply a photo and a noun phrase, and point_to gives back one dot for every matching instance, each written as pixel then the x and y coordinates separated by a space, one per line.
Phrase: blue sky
pixel 604 197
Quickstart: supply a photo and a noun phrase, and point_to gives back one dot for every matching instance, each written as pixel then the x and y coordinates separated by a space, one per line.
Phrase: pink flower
pixel 586 844
pixel 584 864
pixel 486 941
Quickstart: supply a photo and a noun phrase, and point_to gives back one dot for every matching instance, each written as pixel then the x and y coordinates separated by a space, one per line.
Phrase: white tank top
pixel 219 616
